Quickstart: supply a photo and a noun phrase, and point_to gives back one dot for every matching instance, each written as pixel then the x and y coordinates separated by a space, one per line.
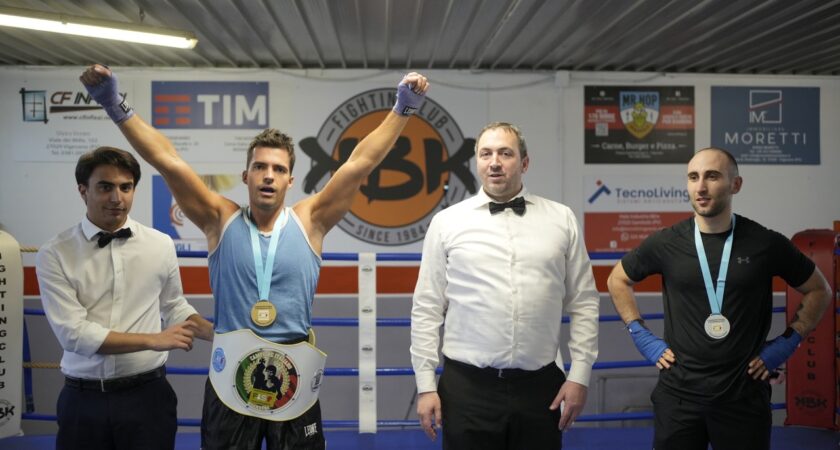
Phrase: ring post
pixel 811 388
pixel 367 343
pixel 11 335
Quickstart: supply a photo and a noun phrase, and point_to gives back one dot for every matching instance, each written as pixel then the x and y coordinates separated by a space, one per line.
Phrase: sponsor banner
pixel 622 232
pixel 167 216
pixel 767 125
pixel 621 211
pixel 11 336
pixel 58 121
pixel 638 124
pixel 427 170
pixel 222 116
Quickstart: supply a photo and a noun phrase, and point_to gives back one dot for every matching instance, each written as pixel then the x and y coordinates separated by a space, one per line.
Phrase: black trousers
pixel 139 418
pixel 680 424
pixel 484 412
pixel 225 429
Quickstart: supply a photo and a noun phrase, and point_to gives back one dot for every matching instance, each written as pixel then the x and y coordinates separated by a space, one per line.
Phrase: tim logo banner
pixel 427 170
pixel 209 105
pixel 767 125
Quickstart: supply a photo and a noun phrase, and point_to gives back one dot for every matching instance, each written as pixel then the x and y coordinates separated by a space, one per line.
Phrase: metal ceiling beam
pixel 774 51
pixel 787 15
pixel 495 30
pixel 824 53
pixel 415 25
pixel 464 32
pixel 361 34
pixel 788 22
pixel 237 5
pixel 223 23
pixel 387 32
pixel 572 30
pixel 209 39
pixel 24 45
pixel 17 54
pixel 833 67
pixel 128 13
pixel 702 38
pixel 309 33
pixel 671 23
pixel 610 31
pixel 526 19
pixel 554 23
pixel 443 24
pixel 282 31
pixel 334 29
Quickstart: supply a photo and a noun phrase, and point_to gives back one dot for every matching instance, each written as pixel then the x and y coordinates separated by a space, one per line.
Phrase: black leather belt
pixel 115 384
pixel 508 374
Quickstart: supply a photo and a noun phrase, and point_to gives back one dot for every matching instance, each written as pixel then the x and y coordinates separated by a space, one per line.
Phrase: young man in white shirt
pixel 498 271
pixel 106 283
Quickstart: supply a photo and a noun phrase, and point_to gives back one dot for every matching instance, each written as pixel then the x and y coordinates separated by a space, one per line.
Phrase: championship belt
pixel 259 378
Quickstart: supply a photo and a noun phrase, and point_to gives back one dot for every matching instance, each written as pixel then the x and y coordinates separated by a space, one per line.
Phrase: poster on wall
pixel 620 211
pixel 767 125
pixel 638 124
pixel 210 121
pixel 427 170
pixel 58 121
pixel 167 216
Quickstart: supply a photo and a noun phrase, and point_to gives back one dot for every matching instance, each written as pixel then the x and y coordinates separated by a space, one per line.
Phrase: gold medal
pixel 263 313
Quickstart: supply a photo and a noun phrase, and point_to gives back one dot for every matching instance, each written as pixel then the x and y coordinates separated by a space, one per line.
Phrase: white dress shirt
pixel 126 286
pixel 501 282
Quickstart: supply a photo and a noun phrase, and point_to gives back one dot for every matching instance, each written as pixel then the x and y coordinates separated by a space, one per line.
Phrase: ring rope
pixel 384 371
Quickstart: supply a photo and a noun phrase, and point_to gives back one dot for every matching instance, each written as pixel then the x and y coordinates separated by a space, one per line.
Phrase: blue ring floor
pixel 783 438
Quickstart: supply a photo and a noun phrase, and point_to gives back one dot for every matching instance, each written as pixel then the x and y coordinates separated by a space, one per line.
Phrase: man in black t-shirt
pixel 717 270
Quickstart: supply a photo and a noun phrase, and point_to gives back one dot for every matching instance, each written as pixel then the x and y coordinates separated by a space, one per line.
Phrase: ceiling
pixel 687 36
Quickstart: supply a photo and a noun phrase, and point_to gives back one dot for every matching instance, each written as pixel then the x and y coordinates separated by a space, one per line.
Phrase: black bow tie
pixel 105 238
pixel 517 205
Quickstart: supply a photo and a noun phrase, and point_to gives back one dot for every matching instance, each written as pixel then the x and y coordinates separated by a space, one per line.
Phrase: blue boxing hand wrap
pixel 649 345
pixel 779 350
pixel 106 94
pixel 408 101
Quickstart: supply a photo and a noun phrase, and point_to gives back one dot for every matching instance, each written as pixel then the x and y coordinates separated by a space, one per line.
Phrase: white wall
pixel 38 199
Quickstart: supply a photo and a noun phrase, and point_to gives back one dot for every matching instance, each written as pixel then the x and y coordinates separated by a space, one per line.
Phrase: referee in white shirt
pixel 498 271
pixel 106 283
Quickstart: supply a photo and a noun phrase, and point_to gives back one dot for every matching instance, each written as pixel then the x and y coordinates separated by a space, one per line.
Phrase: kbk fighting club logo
pixel 427 170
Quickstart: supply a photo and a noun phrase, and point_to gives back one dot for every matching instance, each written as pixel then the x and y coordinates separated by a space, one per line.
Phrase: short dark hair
pixel 733 164
pixel 272 138
pixel 106 156
pixel 510 128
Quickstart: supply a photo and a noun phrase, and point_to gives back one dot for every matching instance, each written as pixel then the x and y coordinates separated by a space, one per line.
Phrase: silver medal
pixel 717 326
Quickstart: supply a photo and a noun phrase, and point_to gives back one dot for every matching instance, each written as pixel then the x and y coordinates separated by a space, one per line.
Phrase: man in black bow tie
pixel 498 269
pixel 106 283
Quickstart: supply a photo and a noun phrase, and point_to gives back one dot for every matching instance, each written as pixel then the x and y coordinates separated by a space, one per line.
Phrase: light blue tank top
pixel 293 282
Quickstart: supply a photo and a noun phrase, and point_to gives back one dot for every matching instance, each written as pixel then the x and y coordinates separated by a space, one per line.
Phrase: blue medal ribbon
pixel 263 271
pixel 715 296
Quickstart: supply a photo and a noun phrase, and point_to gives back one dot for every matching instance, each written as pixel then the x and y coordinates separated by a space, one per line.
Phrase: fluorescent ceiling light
pixel 96 28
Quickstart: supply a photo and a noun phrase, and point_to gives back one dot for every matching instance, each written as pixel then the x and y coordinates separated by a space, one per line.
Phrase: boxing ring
pixel 378 275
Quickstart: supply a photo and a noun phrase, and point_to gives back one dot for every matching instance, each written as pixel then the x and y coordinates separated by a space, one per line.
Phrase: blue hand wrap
pixel 779 350
pixel 648 344
pixel 408 101
pixel 107 95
